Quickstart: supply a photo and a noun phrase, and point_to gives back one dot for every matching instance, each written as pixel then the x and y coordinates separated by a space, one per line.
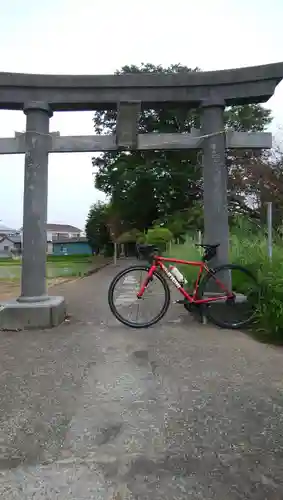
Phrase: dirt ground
pixel 95 410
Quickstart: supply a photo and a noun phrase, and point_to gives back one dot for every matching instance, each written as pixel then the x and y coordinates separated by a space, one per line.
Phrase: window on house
pixel 6 248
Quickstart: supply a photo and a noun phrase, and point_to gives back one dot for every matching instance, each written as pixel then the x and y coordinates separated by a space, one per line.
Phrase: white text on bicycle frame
pixel 172 278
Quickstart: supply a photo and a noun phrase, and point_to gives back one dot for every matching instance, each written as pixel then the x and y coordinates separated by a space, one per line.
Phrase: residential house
pixel 59 232
pixel 8 231
pixel 56 232
pixel 71 246
pixel 10 245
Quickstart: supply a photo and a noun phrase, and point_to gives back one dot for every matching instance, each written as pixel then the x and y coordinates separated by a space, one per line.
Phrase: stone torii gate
pixel 41 95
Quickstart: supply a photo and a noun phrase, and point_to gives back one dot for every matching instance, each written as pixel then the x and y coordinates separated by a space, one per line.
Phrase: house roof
pixel 13 239
pixel 70 240
pixel 62 228
pixel 5 229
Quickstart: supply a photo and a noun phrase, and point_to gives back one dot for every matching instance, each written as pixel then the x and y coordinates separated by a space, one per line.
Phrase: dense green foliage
pixel 158 236
pixel 97 231
pixel 145 186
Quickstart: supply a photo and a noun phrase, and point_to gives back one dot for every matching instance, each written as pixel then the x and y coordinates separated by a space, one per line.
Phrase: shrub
pixel 131 236
pixel 270 309
pixel 159 236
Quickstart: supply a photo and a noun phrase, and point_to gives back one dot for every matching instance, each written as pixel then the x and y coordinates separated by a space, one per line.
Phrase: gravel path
pixel 94 410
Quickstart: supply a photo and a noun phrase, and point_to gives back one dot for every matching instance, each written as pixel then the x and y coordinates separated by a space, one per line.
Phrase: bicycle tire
pixel 123 320
pixel 208 311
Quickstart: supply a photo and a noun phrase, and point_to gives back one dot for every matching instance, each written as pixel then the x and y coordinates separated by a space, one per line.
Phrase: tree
pixel 179 223
pixel 264 176
pixel 96 228
pixel 148 185
pixel 132 236
pixel 159 236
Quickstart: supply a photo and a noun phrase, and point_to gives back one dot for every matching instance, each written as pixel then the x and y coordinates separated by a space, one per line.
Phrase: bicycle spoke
pixel 237 311
pixel 130 309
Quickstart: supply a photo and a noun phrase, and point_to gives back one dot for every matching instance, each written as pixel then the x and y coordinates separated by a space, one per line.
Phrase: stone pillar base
pixel 16 315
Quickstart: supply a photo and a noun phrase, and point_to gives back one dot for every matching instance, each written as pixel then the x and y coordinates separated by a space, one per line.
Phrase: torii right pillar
pixel 216 225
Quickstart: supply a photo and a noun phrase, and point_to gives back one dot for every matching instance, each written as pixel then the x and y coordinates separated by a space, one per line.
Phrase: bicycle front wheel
pixel 131 310
pixel 235 313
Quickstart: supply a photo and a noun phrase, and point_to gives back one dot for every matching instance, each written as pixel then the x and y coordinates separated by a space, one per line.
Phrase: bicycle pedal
pixel 180 302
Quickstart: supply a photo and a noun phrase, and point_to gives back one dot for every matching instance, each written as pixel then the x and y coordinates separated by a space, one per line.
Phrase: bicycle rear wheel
pixel 122 295
pixel 235 313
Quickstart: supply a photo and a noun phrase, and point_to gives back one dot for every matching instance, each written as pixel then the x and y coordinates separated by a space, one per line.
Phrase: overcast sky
pixel 94 36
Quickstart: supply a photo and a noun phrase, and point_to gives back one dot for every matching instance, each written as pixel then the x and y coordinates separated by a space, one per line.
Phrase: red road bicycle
pixel 226 295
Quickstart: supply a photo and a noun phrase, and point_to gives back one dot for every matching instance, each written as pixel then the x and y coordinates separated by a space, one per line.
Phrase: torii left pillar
pixel 34 308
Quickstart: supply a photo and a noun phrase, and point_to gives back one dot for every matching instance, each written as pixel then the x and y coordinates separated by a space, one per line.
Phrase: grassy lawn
pixel 65 266
pixel 57 267
pixel 53 270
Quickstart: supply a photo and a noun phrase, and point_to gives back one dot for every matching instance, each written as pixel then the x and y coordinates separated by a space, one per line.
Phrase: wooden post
pixel 115 254
pixel 269 229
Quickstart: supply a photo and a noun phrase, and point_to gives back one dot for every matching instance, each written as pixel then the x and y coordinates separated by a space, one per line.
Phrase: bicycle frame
pixel 159 263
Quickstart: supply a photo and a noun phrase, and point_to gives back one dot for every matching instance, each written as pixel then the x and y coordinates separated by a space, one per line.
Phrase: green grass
pixel 9 262
pixel 65 266
pixel 250 250
pixel 70 258
pixel 52 258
